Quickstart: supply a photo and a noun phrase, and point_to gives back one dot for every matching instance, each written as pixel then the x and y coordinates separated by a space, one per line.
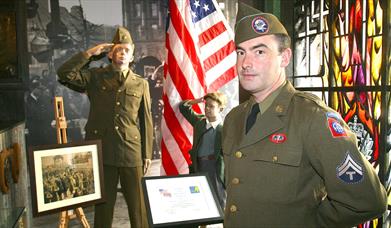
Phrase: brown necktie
pixel 118 76
pixel 252 117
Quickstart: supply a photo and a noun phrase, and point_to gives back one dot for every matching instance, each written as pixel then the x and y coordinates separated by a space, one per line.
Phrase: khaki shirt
pixel 299 166
pixel 120 112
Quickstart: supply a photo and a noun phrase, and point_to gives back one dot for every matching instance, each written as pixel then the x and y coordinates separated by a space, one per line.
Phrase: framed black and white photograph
pixel 66 176
pixel 181 201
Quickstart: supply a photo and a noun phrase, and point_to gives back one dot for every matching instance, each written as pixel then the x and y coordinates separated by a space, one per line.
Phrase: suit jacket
pixel 198 121
pixel 299 166
pixel 120 112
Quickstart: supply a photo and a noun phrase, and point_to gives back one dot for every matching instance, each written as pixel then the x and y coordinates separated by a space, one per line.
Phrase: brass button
pixel 117 115
pixel 235 181
pixel 233 208
pixel 119 91
pixel 274 158
pixel 238 154
pixel 95 131
pixel 134 94
pixel 118 103
pixel 103 87
pixel 116 127
pixel 279 109
pixel 136 137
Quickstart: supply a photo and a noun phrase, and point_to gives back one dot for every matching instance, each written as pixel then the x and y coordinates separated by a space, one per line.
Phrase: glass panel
pixel 311 44
pixel 351 61
pixel 361 110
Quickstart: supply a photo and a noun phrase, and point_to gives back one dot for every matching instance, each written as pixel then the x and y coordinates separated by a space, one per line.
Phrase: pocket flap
pixel 132 92
pixel 284 157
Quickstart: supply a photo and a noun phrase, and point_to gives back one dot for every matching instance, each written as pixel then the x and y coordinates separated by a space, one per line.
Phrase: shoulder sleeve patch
pixel 350 171
pixel 335 127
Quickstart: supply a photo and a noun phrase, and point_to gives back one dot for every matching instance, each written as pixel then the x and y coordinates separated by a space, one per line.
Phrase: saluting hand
pixel 196 101
pixel 100 48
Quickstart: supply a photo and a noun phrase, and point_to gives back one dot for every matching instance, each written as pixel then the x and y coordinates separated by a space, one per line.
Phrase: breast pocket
pixel 276 174
pixel 133 98
pixel 104 93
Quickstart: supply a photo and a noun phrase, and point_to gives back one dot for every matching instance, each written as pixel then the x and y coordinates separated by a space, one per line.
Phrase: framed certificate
pixel 184 200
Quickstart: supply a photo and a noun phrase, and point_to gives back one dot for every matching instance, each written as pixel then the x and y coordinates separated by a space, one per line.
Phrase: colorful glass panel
pixel 353 63
pixel 338 50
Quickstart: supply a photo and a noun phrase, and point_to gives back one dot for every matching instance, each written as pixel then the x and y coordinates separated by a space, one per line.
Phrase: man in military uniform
pixel 292 162
pixel 120 115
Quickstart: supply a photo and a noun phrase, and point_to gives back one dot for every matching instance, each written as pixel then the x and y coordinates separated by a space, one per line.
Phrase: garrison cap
pixel 122 36
pixel 252 23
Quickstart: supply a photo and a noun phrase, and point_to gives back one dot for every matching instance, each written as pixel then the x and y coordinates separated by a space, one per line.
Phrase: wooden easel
pixel 61 125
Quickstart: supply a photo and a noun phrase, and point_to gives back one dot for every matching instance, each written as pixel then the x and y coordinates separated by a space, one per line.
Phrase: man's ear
pixel 286 57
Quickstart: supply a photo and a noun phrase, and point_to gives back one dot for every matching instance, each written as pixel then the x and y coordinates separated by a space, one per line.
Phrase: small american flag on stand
pixel 200 58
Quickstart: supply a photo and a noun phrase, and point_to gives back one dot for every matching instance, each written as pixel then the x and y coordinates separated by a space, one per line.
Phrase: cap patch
pixel 260 25
pixel 350 171
pixel 278 138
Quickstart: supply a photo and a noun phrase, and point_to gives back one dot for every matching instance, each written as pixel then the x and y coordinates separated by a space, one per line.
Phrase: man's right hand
pixel 98 49
pixel 196 101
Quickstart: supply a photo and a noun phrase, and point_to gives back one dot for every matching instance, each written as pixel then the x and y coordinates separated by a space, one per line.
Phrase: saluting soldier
pixel 120 115
pixel 293 161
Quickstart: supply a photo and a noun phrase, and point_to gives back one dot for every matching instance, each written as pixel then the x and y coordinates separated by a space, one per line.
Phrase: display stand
pixel 61 125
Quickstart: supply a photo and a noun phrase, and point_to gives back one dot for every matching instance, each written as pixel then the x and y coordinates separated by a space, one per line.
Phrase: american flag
pixel 200 58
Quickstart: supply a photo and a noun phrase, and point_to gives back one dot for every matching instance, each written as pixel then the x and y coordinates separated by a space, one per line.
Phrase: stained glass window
pixel 339 56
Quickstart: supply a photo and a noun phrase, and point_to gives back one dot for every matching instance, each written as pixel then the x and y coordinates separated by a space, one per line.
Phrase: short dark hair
pixel 284 41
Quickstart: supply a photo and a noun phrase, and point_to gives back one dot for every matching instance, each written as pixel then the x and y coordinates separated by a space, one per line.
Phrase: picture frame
pixel 66 176
pixel 181 201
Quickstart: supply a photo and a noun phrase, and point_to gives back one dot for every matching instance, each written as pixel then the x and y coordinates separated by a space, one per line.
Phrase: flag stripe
pixel 175 151
pixel 223 79
pixel 173 100
pixel 167 163
pixel 218 56
pixel 186 40
pixel 220 68
pixel 178 57
pixel 175 126
pixel 179 78
pixel 211 33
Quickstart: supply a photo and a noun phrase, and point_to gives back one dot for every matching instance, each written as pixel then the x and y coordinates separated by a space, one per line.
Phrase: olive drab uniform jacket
pixel 198 121
pixel 120 111
pixel 298 166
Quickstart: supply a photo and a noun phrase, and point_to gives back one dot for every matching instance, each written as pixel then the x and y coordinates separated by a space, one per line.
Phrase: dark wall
pixel 13 61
